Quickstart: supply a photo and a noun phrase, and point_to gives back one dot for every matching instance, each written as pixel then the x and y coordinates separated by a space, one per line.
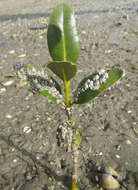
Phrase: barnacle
pixel 98 78
pixel 64 136
pixel 38 80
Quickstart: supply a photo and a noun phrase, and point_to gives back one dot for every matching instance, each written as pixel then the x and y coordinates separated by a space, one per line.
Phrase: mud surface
pixel 29 156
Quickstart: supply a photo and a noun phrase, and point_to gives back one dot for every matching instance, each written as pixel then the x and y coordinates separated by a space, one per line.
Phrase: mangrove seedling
pixel 63 45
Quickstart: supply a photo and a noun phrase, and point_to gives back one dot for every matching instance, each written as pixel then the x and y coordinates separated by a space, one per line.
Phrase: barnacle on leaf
pixel 39 81
pixel 99 78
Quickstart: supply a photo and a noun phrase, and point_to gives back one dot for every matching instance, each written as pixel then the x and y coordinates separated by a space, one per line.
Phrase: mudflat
pixel 29 156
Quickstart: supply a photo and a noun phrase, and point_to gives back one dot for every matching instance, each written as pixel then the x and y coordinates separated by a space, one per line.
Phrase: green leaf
pixel 62 37
pixel 39 82
pixel 49 95
pixel 23 71
pixel 56 84
pixel 52 92
pixel 64 70
pixel 86 93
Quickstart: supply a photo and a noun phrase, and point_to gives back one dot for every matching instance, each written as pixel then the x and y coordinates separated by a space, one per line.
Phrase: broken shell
pixel 109 182
pixel 111 171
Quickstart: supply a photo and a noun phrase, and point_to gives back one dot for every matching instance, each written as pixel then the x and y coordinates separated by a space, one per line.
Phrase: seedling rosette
pixel 63 45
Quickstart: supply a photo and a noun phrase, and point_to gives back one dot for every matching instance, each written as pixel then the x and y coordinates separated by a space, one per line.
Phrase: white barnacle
pixel 78 92
pixel 96 77
pixel 83 90
pixel 65 124
pixel 33 70
pixel 86 86
pixel 88 81
pixel 102 71
pixel 96 85
pixel 106 75
pixel 69 139
pixel 20 72
pixel 91 85
pixel 102 80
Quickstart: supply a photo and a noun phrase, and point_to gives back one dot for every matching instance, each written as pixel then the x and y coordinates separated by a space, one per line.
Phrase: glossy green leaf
pixel 64 70
pixel 86 95
pixel 62 37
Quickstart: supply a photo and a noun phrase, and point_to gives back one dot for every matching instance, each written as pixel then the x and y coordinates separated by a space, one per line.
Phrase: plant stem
pixel 75 151
pixel 67 93
pixel 75 155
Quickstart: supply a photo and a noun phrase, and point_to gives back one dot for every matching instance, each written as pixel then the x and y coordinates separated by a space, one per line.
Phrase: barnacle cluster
pixel 37 78
pixel 64 136
pixel 27 72
pixel 94 82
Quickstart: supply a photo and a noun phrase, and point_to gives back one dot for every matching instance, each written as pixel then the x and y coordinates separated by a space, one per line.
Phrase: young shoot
pixel 63 44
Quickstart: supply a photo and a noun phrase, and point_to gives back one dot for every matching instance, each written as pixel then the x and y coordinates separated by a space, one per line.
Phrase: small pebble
pixel 29 177
pixel 15 160
pixel 38 158
pixel 12 52
pixel 117 156
pixel 118 147
pixel 129 111
pixel 49 119
pixel 2 90
pixel 27 106
pixel 128 142
pixel 27 129
pixel 83 32
pixel 8 116
pixel 96 178
pixel 22 55
pixel 27 98
pixel 8 83
pixel 13 149
pixel 108 51
pixel 100 153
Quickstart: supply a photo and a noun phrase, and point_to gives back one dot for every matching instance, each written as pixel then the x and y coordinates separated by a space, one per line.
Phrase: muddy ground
pixel 29 156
